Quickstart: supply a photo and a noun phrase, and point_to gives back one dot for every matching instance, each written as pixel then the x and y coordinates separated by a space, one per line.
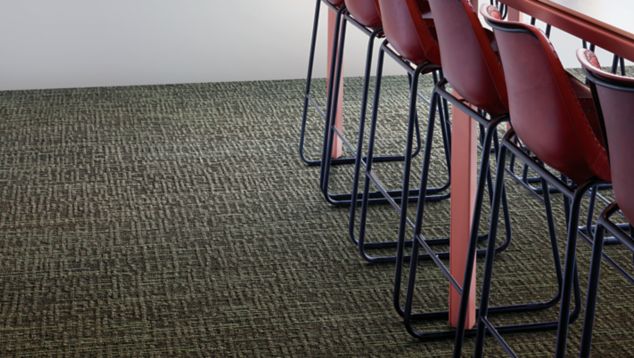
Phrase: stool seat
pixel 366 12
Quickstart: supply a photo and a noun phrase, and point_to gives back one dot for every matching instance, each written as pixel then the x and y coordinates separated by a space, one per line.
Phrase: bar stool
pixel 411 43
pixel 614 97
pixel 481 85
pixel 365 16
pixel 547 118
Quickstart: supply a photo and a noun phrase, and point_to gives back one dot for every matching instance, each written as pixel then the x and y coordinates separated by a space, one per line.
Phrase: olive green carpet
pixel 177 220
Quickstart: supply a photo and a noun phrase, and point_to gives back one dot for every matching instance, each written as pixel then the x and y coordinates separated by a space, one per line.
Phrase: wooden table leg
pixel 337 148
pixel 464 159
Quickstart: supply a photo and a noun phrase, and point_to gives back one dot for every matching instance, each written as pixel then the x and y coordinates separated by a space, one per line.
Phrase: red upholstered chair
pixel 483 96
pixel 480 82
pixel 411 42
pixel 615 99
pixel 548 118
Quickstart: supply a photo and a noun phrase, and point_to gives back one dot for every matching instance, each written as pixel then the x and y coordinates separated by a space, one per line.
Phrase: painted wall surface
pixel 78 43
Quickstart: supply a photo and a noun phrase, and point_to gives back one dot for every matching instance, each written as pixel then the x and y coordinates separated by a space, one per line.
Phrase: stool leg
pixel 420 207
pixel 370 155
pixel 615 64
pixel 445 130
pixel 309 78
pixel 473 241
pixel 552 234
pixel 326 159
pixel 331 82
pixel 569 271
pixel 593 287
pixel 488 268
pixel 359 154
pixel 402 228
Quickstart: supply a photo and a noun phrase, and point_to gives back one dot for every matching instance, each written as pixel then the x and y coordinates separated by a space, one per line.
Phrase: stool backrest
pixel 468 61
pixel 615 100
pixel 545 112
pixel 365 11
pixel 408 32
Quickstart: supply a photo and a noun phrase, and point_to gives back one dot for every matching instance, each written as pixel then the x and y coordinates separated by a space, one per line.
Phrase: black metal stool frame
pixel 490 130
pixel 342 199
pixel 330 112
pixel 603 223
pixel 433 194
pixel 308 98
pixel 570 283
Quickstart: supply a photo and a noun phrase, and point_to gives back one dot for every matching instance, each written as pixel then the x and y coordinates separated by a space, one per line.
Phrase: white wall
pixel 76 43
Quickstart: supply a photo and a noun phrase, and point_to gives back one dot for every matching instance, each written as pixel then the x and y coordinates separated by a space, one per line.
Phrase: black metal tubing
pixel 574 195
pixel 309 76
pixel 340 198
pixel 308 99
pixel 343 199
pixel 603 224
pixel 405 194
pixel 489 127
pixel 616 61
pixel 588 232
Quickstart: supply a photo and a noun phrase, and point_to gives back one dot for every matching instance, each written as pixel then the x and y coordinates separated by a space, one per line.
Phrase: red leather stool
pixel 482 88
pixel 614 97
pixel 548 118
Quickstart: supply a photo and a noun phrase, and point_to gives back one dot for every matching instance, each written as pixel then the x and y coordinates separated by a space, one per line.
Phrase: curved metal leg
pixel 593 287
pixel 333 84
pixel 370 154
pixel 488 267
pixel 569 271
pixel 393 198
pixel 343 199
pixel 354 193
pixel 570 282
pixel 324 172
pixel 309 77
pixel 475 223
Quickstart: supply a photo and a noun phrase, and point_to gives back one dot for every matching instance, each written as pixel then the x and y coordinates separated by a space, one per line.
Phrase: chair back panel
pixel 365 11
pixel 469 63
pixel 616 97
pixel 408 32
pixel 545 112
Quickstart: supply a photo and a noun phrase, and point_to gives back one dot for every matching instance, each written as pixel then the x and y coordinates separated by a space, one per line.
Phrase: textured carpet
pixel 179 221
